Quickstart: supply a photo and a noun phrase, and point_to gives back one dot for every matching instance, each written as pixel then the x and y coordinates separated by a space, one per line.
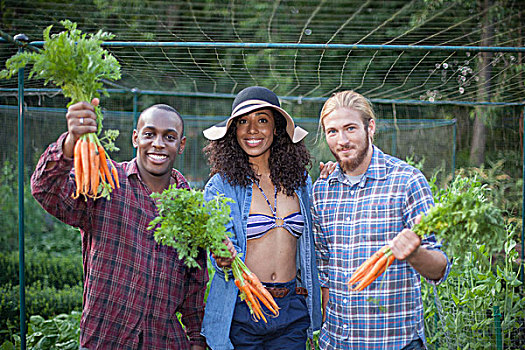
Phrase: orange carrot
pixel 372 275
pixel 104 166
pixel 391 259
pixel 262 298
pixel 84 151
pixel 250 300
pixel 254 280
pixel 103 179
pixel 93 172
pixel 115 175
pixel 364 267
pixel 255 305
pixel 259 307
pixel 78 168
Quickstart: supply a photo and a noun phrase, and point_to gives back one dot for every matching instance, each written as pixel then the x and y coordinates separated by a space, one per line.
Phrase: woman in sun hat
pixel 258 158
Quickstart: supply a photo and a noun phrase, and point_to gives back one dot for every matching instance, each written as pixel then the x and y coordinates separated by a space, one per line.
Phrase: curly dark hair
pixel 289 161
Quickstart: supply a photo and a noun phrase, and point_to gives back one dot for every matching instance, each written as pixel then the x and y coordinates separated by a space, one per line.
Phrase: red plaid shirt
pixel 133 286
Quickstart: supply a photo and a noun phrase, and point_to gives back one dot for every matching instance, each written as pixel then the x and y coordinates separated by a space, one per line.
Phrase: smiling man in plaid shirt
pixel 370 200
pixel 133 287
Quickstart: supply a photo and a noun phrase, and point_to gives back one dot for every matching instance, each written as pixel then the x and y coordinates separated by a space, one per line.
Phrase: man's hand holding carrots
pixel 81 119
pixel 406 243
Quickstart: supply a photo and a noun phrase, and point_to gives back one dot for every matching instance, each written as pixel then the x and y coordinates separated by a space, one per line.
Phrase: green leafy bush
pixel 44 301
pixel 43 232
pixel 61 332
pixel 48 270
pixel 505 190
pixel 475 295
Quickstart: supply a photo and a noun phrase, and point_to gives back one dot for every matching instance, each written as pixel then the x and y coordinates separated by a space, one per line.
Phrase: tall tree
pixel 479 136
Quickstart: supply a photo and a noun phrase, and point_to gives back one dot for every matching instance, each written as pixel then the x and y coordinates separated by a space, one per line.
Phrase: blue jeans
pixel 287 331
pixel 415 344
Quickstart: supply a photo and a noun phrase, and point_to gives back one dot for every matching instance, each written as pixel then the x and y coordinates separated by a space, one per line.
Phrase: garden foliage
pixel 483 285
pixel 187 222
pixel 482 293
pixel 61 332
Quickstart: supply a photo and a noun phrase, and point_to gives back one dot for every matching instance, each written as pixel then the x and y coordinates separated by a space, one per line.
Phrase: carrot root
pixel 254 280
pixel 84 151
pixel 362 270
pixel 93 177
pixel 78 168
pixel 379 268
pixel 263 299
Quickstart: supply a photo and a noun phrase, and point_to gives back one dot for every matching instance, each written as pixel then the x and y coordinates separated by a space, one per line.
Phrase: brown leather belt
pixel 282 292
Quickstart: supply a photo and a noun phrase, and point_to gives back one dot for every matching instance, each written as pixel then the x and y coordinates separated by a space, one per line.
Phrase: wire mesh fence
pixel 468 327
pixel 431 141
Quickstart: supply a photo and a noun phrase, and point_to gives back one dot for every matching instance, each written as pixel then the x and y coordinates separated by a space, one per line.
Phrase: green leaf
pixel 187 222
pixel 462 217
pixel 73 61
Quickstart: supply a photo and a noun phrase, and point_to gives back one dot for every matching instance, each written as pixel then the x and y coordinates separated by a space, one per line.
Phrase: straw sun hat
pixel 249 100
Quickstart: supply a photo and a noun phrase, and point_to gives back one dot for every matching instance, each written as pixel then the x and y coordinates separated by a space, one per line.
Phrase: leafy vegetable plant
pixel 463 217
pixel 187 222
pixel 78 64
pixel 61 332
pixel 479 287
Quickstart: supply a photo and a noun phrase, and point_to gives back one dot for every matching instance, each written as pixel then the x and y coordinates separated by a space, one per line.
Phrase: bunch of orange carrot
pixel 93 177
pixel 253 291
pixel 372 268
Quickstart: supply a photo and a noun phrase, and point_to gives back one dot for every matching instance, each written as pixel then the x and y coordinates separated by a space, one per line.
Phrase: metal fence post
pixel 497 327
pixel 135 92
pixel 454 145
pixel 523 208
pixel 21 253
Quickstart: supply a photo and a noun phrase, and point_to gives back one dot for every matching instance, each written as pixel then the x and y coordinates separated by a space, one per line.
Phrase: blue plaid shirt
pixel 351 222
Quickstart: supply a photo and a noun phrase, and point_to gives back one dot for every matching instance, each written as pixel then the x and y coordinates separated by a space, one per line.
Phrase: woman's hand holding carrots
pixel 187 221
pixel 226 262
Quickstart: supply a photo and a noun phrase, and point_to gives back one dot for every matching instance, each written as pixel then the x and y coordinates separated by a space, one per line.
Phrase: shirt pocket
pixel 377 222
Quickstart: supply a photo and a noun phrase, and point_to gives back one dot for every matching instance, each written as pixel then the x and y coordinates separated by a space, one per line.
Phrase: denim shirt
pixel 223 295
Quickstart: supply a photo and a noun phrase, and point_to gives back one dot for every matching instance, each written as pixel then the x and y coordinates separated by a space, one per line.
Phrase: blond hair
pixel 348 99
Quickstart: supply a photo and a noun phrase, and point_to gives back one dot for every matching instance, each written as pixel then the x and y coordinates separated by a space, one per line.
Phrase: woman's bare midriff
pixel 272 257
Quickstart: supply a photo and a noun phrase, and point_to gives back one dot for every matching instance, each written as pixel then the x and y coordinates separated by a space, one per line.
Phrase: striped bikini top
pixel 260 224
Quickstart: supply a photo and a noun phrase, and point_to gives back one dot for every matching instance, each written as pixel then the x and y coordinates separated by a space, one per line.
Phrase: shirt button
pixel 352 192
pixel 345 326
pixel 345 300
pixel 348 218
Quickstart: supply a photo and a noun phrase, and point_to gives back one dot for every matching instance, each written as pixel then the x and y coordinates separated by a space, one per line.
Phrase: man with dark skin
pixel 133 287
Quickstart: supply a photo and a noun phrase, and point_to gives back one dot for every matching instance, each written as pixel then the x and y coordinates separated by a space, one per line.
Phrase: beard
pixel 352 163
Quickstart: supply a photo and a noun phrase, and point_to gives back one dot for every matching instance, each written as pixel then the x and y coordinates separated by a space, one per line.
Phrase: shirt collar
pixel 176 176
pixel 376 169
pixel 132 168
